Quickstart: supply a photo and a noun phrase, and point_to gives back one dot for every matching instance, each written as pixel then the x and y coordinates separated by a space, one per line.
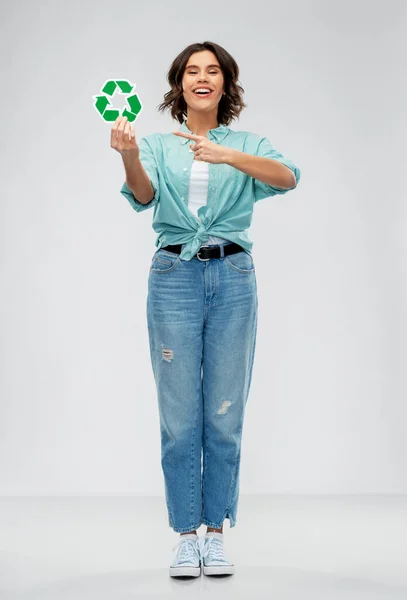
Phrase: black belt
pixel 205 252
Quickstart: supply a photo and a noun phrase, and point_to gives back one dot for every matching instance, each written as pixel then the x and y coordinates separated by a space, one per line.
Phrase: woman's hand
pixel 123 138
pixel 204 149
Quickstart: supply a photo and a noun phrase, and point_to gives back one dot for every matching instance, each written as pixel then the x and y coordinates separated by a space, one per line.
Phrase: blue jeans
pixel 202 324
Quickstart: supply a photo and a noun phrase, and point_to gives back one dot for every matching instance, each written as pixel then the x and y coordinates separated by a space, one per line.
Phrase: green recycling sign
pixel 109 89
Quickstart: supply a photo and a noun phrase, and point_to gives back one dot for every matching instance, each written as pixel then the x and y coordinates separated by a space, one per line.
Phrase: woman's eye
pixel 211 72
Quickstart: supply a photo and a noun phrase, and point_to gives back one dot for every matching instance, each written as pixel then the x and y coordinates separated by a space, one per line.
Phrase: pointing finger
pixel 190 136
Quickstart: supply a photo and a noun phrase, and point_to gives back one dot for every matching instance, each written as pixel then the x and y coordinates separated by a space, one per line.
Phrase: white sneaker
pixel 187 560
pixel 213 557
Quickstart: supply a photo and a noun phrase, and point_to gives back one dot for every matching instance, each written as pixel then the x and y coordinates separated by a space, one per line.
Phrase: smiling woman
pixel 202 300
pixel 204 66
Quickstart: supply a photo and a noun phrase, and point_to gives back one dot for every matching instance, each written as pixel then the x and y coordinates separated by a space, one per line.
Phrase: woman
pixel 203 181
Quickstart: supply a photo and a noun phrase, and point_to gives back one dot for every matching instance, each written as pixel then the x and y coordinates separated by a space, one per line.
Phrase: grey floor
pixel 283 547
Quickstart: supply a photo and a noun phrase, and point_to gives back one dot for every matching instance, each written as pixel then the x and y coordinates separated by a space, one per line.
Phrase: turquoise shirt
pixel 167 160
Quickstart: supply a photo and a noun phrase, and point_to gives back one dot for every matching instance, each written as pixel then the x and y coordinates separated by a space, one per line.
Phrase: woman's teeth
pixel 202 93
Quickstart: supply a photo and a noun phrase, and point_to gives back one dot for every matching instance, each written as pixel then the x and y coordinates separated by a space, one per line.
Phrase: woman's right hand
pixel 123 138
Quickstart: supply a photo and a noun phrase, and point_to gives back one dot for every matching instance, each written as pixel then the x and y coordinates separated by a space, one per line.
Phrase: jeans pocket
pixel 240 261
pixel 164 261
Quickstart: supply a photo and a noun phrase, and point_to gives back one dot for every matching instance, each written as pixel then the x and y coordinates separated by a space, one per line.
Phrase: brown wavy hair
pixel 230 105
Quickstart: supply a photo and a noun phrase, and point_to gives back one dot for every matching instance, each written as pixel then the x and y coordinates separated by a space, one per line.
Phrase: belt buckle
pixel 197 254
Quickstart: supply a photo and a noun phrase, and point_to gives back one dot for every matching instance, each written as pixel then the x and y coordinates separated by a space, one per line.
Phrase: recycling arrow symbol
pixel 121 86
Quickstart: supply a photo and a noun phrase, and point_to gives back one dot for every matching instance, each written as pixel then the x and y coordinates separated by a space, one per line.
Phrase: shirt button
pixel 182 197
pixel 185 169
pixel 212 189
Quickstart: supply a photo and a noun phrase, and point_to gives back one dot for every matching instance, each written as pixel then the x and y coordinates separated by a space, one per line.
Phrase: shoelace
pixel 187 549
pixel 212 549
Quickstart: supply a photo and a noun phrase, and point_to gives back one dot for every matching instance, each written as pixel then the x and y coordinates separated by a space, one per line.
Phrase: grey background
pixel 325 82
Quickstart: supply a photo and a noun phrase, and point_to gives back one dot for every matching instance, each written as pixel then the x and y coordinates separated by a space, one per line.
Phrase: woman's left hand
pixel 204 149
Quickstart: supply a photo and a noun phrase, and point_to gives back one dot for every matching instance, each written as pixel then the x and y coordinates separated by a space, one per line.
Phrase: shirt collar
pixel 217 134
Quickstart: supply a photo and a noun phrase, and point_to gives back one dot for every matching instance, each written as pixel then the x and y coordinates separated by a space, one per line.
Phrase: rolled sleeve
pixel 149 163
pixel 263 190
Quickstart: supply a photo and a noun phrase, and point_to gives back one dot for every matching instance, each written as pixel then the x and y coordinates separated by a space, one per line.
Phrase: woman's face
pixel 203 71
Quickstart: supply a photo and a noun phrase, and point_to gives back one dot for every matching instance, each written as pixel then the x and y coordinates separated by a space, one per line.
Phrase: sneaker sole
pixel 185 571
pixel 219 570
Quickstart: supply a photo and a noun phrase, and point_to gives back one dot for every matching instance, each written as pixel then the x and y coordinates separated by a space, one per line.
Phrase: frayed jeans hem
pixel 185 529
pixel 232 523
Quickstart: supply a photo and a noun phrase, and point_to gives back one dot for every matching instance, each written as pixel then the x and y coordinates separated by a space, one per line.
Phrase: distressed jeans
pixel 202 324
